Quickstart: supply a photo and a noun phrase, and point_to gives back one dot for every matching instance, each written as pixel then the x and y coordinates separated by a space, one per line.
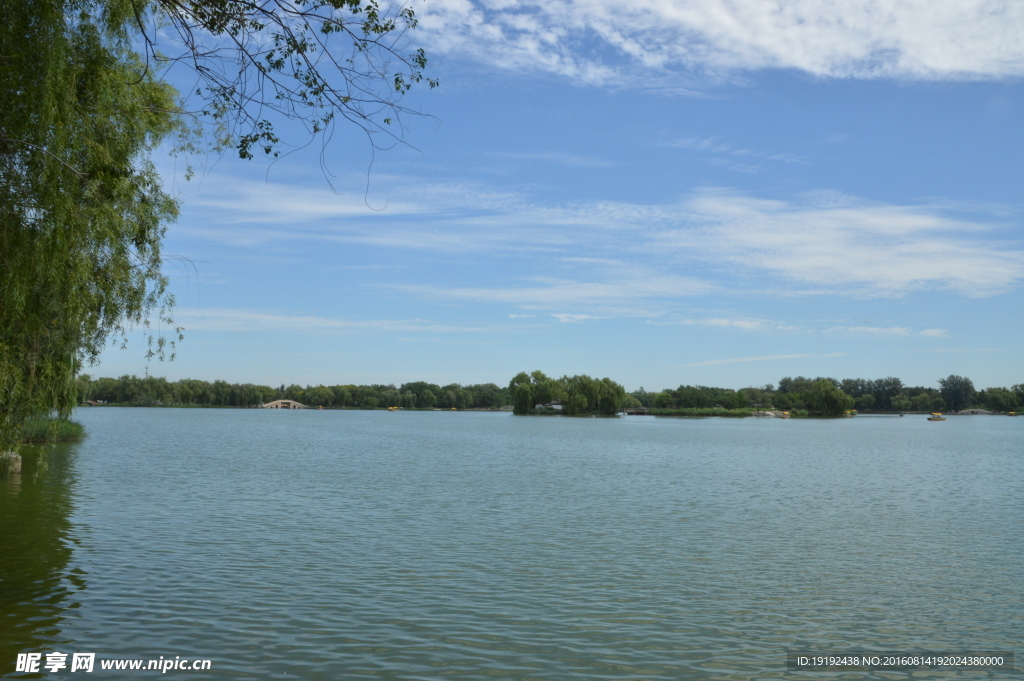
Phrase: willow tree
pixel 957 391
pixel 82 211
pixel 85 104
pixel 826 398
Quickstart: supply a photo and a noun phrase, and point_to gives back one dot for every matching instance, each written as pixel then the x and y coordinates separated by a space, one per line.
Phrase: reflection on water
pixel 340 545
pixel 38 584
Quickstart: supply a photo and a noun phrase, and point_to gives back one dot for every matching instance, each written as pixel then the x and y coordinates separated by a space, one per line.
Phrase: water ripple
pixel 327 545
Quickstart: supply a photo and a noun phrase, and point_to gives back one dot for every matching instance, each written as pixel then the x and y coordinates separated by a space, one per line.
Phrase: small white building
pixel 283 404
pixel 555 404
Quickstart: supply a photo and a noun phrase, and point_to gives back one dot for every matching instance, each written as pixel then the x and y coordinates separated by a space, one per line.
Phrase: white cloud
pixel 746 324
pixel 764 358
pixel 563 317
pixel 572 160
pixel 606 41
pixel 521 316
pixel 238 200
pixel 609 290
pixel 838 244
pixel 874 330
pixel 934 332
pixel 961 350
pixel 616 254
pixel 739 323
pixel 725 154
pixel 220 319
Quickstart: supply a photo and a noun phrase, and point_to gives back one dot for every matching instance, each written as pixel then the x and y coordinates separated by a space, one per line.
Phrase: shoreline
pixel 662 413
pixel 232 406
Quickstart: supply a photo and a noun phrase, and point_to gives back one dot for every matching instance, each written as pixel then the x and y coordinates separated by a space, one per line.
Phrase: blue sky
pixel 721 193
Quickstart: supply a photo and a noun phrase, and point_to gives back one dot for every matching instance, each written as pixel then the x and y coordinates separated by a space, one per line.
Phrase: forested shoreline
pixel 822 395
pixel 152 391
pixel 574 395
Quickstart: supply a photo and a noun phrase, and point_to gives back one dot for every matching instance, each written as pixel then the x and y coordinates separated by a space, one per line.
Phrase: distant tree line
pixel 576 394
pixel 151 391
pixel 829 396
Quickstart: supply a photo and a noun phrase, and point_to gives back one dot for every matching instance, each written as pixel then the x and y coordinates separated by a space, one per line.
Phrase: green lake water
pixel 349 545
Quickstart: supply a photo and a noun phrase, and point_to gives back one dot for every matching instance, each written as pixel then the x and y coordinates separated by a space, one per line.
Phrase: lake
pixel 427 545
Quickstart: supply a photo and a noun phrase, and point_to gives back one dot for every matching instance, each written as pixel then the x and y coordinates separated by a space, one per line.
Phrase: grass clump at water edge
pixel 707 411
pixel 43 430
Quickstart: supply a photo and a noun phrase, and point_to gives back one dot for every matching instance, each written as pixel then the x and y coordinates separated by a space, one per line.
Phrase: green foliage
pixel 885 390
pixel 579 394
pixel 927 401
pixel 41 430
pixel 644 398
pixel 865 402
pixel 152 391
pixel 786 401
pixel 828 400
pixel 957 391
pixel 757 398
pixel 522 398
pixel 631 402
pixel 528 390
pixel 999 399
pixel 82 210
pixel 576 404
pixel 663 400
pixel 319 397
pixel 795 385
pixel 584 394
pixel 546 390
pixel 708 411
pixel 901 403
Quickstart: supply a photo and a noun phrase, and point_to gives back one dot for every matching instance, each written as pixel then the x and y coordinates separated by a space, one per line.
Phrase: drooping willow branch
pixel 309 61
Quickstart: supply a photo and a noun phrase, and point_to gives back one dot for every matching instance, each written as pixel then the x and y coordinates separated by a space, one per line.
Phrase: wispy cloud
pixel 764 358
pixel 214 319
pixel 727 155
pixel 618 254
pixel 961 350
pixel 934 332
pixel 873 330
pixel 745 324
pixel 571 160
pixel 715 145
pixel 839 244
pixel 564 317
pixel 643 43
pixel 546 293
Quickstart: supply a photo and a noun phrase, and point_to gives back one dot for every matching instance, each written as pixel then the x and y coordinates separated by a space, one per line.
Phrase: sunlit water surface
pixel 346 545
